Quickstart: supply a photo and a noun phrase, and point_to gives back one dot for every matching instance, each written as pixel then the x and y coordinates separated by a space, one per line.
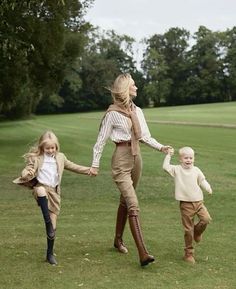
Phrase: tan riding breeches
pixel 126 172
pixel 188 211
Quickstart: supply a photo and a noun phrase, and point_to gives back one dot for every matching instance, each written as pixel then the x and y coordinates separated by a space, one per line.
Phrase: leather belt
pixel 123 143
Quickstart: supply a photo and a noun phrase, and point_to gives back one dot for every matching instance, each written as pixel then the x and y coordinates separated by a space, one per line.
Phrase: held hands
pixel 93 172
pixel 168 150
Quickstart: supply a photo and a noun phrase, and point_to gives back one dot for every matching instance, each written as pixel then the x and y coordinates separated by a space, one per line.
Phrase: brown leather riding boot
pixel 135 227
pixel 120 226
pixel 189 257
pixel 199 228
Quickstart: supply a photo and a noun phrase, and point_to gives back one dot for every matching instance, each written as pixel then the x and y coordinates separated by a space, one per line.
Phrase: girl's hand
pixel 27 173
pixel 93 172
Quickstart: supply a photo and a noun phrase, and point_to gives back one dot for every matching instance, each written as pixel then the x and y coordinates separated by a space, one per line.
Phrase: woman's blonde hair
pixel 120 89
pixel 38 148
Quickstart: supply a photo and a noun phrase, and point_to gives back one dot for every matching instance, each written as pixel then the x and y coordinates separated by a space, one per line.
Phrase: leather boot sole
pixel 145 262
pixel 51 259
pixel 122 249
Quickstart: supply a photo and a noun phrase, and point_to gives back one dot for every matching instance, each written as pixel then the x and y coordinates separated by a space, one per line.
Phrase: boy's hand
pixel 171 151
pixel 165 149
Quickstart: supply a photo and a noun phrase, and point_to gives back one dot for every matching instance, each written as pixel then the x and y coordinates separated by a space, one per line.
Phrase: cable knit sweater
pixel 188 182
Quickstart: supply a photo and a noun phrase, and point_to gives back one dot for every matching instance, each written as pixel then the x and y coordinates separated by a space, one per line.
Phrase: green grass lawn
pixel 85 232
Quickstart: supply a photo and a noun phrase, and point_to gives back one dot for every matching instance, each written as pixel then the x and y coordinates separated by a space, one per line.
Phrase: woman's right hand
pixel 93 172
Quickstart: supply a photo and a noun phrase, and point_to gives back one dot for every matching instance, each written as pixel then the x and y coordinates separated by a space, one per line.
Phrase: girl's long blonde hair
pixel 37 149
pixel 120 89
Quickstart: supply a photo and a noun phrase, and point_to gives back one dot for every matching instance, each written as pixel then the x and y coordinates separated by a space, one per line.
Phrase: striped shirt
pixel 117 127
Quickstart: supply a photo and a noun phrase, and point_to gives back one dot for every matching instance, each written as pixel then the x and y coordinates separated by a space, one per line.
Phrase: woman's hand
pixel 93 172
pixel 167 150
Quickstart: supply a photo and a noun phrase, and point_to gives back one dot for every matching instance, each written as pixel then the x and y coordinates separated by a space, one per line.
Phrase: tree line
pixel 53 61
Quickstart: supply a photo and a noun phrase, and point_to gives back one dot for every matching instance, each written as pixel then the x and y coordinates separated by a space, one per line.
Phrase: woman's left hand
pixel 166 149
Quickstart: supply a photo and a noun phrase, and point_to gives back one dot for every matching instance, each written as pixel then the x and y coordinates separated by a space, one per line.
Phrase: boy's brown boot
pixel 188 257
pixel 199 228
pixel 197 237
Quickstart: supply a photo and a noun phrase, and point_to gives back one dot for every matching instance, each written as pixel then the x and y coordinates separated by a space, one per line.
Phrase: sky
pixel 144 18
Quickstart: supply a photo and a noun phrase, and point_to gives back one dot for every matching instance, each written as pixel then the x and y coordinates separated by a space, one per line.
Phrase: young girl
pixel 43 173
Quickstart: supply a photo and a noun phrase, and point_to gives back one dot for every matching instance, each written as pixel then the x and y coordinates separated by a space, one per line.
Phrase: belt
pixel 123 143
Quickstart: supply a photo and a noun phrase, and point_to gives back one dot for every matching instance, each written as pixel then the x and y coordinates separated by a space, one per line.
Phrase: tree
pixel 106 54
pixel 204 63
pixel 229 41
pixel 32 51
pixel 164 65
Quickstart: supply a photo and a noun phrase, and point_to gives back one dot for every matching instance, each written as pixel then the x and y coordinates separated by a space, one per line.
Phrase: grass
pixel 86 225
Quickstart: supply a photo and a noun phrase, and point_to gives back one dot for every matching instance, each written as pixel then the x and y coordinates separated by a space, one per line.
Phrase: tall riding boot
pixel 50 257
pixel 135 227
pixel 120 226
pixel 43 203
pixel 199 228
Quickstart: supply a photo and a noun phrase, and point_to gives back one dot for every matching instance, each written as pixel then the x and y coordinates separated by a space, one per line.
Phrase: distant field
pixel 210 114
pixel 206 114
pixel 86 225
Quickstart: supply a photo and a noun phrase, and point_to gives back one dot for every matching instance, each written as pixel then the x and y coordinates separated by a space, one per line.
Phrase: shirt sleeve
pixel 146 135
pixel 203 183
pixel 167 166
pixel 76 168
pixel 103 135
pixel 206 186
pixel 30 165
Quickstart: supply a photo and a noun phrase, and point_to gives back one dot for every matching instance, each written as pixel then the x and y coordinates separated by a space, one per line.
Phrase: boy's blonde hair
pixel 186 150
pixel 47 137
pixel 120 89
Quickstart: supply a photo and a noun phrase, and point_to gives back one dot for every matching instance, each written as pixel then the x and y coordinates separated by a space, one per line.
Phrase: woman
pixel 125 124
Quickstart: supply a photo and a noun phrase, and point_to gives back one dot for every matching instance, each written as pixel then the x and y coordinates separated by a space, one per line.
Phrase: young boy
pixel 189 182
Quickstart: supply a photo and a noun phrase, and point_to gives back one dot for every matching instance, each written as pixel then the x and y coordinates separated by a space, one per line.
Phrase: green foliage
pixel 104 57
pixel 164 65
pixel 53 61
pixel 229 64
pixel 203 83
pixel 179 74
pixel 32 50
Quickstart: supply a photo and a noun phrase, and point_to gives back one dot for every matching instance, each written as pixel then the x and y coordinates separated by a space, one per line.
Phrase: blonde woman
pixel 43 173
pixel 125 125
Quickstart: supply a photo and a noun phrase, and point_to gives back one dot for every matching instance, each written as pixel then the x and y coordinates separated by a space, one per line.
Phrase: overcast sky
pixel 143 18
